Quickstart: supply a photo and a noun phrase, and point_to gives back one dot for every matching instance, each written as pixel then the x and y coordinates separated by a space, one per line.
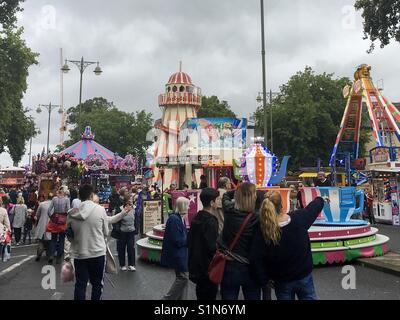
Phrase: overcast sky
pixel 139 44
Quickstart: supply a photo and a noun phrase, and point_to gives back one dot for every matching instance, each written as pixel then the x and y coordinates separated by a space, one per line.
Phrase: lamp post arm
pixel 81 64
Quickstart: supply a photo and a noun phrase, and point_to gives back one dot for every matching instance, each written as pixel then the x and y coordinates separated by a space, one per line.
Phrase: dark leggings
pixel 17 234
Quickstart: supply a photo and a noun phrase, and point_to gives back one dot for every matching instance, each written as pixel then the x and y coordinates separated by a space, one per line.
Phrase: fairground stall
pixel 101 167
pixel 384 178
pixel 12 177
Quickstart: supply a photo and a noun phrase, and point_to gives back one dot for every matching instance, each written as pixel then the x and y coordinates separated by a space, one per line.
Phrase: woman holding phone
pixel 126 241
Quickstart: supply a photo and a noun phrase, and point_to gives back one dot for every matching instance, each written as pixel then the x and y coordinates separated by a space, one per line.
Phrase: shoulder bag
pixel 217 266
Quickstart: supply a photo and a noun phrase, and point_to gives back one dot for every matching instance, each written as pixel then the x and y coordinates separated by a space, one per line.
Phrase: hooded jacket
pixel 89 224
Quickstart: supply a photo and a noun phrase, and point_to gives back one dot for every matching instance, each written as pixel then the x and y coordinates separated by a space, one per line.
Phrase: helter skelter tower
pixel 382 114
pixel 181 101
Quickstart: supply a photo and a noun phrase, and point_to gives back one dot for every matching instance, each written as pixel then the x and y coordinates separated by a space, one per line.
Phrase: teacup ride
pixel 335 236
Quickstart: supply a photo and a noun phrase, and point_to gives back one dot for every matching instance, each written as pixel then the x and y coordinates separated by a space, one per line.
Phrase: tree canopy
pixel 119 131
pixel 211 107
pixel 16 128
pixel 381 20
pixel 9 9
pixel 306 117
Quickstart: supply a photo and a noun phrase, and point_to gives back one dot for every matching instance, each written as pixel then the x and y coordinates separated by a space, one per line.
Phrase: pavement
pixel 390 262
pixel 22 278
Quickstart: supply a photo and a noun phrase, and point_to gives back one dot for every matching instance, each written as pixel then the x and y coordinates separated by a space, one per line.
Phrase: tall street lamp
pixel 271 97
pixel 82 65
pixel 264 92
pixel 49 108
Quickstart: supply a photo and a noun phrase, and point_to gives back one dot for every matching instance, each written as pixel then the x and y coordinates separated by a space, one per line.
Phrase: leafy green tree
pixel 381 20
pixel 211 107
pixel 9 9
pixel 119 131
pixel 16 128
pixel 306 117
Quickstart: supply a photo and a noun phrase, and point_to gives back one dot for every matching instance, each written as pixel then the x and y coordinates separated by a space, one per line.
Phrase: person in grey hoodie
pixel 87 228
pixel 41 235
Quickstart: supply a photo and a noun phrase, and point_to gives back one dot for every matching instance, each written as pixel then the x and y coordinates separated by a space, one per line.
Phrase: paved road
pixel 21 277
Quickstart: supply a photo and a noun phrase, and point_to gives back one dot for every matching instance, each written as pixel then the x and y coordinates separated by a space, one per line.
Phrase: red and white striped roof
pixel 180 78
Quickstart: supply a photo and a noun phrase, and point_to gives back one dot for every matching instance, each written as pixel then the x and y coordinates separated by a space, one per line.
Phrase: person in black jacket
pixel 322 181
pixel 237 270
pixel 202 244
pixel 281 248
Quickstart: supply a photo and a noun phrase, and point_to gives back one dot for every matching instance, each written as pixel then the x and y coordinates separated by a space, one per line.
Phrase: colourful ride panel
pixel 344 202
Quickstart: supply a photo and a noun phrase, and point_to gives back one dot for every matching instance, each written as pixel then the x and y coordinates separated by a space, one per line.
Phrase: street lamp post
pixel 82 65
pixel 49 108
pixel 264 92
pixel 271 97
pixel 162 172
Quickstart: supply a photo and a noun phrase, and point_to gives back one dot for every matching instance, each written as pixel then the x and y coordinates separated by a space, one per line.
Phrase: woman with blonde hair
pixel 281 249
pixel 20 211
pixel 239 213
pixel 174 252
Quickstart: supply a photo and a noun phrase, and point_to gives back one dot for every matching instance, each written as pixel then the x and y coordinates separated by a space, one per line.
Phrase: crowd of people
pixel 261 244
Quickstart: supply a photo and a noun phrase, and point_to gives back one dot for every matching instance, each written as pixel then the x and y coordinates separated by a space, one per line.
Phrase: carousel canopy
pixel 87 146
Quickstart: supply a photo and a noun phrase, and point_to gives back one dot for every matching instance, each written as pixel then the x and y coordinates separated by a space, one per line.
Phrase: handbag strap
pixel 240 231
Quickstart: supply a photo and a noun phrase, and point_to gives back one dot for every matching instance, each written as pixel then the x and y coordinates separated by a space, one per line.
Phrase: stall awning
pixel 310 175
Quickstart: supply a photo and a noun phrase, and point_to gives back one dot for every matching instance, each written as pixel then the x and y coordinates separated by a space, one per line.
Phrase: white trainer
pixel 124 268
pixel 131 268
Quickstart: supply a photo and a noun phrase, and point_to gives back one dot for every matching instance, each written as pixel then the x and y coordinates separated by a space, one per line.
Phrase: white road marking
pixel 20 256
pixel 24 246
pixel 16 265
pixel 57 296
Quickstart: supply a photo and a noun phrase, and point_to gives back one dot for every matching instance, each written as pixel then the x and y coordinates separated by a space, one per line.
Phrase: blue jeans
pixel 303 289
pixel 237 275
pixel 57 245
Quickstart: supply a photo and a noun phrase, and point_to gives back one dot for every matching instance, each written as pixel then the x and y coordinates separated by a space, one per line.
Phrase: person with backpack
pixel 202 244
pixel 281 249
pixel 57 225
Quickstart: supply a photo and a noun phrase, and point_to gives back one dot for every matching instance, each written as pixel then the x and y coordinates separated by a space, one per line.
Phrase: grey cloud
pixel 139 44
